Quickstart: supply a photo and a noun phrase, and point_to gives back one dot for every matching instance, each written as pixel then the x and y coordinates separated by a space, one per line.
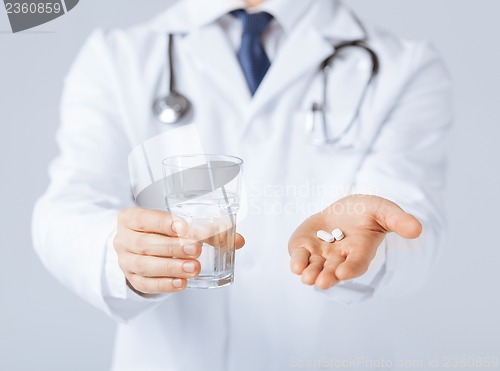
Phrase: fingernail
pixel 190 249
pixel 177 283
pixel 189 267
pixel 177 226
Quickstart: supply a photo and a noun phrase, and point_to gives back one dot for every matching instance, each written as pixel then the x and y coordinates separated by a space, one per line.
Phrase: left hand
pixel 364 220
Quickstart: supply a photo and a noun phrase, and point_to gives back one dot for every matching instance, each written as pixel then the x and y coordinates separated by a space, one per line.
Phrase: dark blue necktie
pixel 252 57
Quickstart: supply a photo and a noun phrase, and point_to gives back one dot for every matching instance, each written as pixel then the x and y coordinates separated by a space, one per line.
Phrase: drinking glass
pixel 204 190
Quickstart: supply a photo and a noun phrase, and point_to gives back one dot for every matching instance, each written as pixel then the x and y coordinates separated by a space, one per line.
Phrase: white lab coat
pixel 267 320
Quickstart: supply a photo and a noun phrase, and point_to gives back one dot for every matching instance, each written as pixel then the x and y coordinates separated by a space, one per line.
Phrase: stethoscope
pixel 318 132
pixel 174 106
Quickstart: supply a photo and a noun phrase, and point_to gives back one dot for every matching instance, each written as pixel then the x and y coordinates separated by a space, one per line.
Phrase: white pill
pixel 325 236
pixel 337 233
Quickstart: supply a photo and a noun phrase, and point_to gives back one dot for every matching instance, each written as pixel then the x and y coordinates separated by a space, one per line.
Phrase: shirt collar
pixel 286 12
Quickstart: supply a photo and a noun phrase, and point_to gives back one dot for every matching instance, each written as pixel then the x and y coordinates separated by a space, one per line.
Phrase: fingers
pixel 239 241
pixel 157 251
pixel 308 261
pixel 154 221
pixel 157 244
pixel 327 277
pixel 299 259
pixel 394 219
pixel 152 266
pixel 312 271
pixel 162 223
pixel 148 285
pixel 357 261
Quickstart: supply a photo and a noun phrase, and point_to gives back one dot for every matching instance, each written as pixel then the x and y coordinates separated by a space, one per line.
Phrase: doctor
pixel 255 85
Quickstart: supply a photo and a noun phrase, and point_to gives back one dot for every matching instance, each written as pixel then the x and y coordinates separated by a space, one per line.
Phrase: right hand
pixel 154 253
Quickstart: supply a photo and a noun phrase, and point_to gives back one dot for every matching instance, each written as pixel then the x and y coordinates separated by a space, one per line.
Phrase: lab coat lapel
pixel 302 53
pixel 214 56
pixel 308 45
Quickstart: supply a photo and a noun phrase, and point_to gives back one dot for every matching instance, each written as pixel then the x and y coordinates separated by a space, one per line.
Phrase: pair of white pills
pixel 336 235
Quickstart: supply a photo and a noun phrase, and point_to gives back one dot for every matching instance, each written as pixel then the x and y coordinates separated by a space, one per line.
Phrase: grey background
pixel 45 327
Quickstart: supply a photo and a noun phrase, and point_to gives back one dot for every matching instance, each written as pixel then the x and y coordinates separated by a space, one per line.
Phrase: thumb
pixel 394 219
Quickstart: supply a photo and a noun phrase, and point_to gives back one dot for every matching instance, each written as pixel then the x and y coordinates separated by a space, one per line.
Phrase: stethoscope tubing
pixel 325 69
pixel 326 66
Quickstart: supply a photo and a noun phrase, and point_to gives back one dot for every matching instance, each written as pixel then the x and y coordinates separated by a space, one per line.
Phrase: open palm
pixel 365 220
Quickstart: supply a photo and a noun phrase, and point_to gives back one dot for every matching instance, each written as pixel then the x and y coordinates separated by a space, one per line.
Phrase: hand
pixel 364 220
pixel 157 251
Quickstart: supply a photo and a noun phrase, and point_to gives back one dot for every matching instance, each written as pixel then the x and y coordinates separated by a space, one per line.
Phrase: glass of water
pixel 204 190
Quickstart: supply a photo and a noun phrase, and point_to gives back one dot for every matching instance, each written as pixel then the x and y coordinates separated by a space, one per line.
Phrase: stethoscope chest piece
pixel 171 109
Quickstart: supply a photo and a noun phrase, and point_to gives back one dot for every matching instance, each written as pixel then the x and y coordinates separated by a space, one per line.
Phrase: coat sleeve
pixel 74 222
pixel 406 164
